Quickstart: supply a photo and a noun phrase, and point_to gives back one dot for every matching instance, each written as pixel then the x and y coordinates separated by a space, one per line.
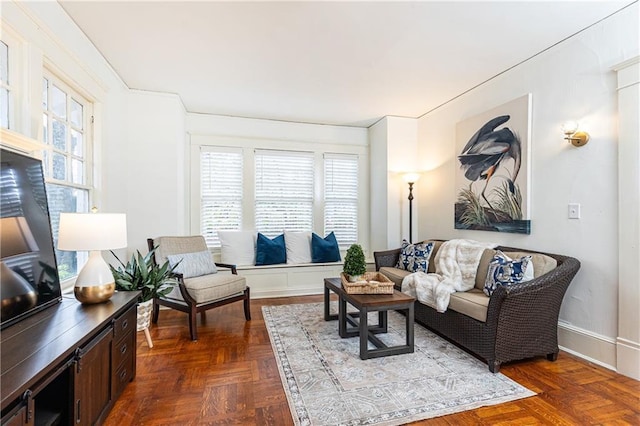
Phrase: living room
pixel 145 143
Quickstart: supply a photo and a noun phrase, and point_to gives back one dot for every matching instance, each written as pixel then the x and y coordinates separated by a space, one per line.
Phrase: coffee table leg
pixel 382 321
pixel 326 303
pixel 364 333
pixel 342 316
pixel 409 325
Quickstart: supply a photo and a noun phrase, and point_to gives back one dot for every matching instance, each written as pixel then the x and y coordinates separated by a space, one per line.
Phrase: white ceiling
pixel 344 63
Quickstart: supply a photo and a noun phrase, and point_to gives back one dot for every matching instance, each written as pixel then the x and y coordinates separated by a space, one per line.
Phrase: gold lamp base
pixel 94 294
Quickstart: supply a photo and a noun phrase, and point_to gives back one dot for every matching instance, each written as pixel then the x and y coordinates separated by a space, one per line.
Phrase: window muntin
pixel 284 189
pixel 65 118
pixel 221 172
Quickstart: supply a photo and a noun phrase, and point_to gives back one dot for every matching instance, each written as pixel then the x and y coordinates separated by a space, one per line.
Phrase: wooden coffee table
pixel 365 303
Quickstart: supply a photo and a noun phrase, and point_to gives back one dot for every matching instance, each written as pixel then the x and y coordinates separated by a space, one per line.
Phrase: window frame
pixel 14 76
pixel 221 150
pixel 249 145
pixel 48 149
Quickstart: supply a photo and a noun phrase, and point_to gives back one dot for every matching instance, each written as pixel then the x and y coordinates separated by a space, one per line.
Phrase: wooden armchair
pixel 198 293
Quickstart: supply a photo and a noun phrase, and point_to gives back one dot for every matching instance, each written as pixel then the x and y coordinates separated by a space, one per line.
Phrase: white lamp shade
pixel 411 177
pixel 92 231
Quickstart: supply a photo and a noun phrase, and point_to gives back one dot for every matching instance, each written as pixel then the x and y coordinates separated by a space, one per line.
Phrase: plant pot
pixel 144 314
pixel 354 278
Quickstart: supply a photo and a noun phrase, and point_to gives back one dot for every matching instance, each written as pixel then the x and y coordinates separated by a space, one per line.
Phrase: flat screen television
pixel 29 279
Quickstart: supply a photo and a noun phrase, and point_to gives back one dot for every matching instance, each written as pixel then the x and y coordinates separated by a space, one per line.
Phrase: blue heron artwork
pixel 491 187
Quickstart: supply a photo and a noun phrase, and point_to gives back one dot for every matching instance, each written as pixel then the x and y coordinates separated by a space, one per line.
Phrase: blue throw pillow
pixel 270 252
pixel 324 249
pixel 414 257
pixel 506 271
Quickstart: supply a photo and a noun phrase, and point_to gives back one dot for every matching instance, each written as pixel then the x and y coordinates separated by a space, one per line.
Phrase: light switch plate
pixel 574 211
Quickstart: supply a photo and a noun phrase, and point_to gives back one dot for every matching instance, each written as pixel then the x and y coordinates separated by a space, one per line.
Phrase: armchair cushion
pixel 193 264
pixel 178 245
pixel 270 251
pixel 208 288
pixel 324 249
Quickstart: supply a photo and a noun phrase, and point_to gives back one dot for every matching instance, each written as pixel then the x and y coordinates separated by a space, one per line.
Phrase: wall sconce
pixel 411 178
pixel 572 135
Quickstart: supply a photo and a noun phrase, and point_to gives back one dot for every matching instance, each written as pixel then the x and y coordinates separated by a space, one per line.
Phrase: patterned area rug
pixel 327 383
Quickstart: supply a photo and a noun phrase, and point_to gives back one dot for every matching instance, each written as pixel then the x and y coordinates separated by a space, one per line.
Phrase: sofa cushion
pixel 541 264
pixel 414 257
pixel 238 247
pixel 483 268
pixel 270 251
pixel 193 264
pixel 473 303
pixel 504 271
pixel 298 246
pixel 434 251
pixel 324 249
pixel 208 288
pixel 394 274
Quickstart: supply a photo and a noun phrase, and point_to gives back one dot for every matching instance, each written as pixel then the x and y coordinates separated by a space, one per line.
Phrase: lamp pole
pixel 411 212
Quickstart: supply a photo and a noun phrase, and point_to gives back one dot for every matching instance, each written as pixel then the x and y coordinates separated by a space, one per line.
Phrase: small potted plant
pixel 143 274
pixel 354 263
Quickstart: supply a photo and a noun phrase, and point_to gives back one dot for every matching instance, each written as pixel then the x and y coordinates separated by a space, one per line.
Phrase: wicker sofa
pixel 520 321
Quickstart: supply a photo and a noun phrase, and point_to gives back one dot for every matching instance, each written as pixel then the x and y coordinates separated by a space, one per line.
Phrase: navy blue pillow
pixel 324 249
pixel 270 252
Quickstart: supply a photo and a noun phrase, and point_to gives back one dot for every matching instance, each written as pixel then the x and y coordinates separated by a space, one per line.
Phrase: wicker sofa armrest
pixel 234 271
pixel 543 292
pixel 524 317
pixel 387 258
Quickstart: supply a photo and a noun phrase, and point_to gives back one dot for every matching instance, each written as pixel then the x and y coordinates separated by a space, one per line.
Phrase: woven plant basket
pixel 376 283
pixel 144 314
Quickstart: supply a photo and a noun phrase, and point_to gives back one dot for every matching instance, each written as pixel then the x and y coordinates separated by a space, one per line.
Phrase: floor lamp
pixel 411 178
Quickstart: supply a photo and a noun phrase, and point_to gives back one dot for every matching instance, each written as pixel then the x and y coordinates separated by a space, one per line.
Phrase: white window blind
pixel 341 197
pixel 284 191
pixel 220 193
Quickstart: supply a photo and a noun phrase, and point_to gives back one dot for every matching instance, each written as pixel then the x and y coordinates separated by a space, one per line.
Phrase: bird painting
pixel 487 149
pixel 492 155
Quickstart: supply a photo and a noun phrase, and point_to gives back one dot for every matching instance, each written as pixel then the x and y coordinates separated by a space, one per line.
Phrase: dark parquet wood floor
pixel 230 376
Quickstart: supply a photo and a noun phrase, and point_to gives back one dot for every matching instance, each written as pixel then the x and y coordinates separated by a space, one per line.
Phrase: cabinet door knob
pixel 123 349
pixel 125 323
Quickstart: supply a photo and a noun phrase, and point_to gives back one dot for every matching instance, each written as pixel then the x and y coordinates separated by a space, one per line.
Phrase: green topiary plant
pixel 354 263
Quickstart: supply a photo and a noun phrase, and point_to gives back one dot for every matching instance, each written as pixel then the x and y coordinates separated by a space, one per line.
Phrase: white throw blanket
pixel 456 264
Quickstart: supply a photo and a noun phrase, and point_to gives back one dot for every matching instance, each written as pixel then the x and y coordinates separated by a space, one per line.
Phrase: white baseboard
pixel 628 358
pixel 590 346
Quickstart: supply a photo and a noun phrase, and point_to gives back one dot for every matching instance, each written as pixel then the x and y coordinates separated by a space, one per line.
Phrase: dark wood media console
pixel 69 363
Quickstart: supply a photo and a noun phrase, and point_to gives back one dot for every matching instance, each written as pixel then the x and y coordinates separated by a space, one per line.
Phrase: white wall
pixel 155 167
pixel 572 80
pixel 393 142
pixel 139 137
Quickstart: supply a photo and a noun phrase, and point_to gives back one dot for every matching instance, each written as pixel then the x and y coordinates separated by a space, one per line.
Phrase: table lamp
pixel 93 232
pixel 16 239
